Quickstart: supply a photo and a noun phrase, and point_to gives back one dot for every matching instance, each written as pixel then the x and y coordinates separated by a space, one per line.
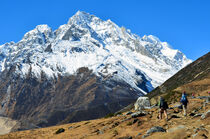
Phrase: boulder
pixel 153 130
pixel 142 103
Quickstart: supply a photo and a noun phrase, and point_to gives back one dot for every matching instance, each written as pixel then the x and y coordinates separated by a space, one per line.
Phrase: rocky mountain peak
pixel 81 18
pixel 39 30
pixel 41 35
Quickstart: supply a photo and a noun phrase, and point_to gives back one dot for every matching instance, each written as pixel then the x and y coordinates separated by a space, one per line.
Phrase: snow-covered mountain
pixel 102 46
pixel 85 69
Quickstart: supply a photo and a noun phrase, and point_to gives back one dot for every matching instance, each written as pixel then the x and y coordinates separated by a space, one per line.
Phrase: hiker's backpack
pixel 184 99
pixel 163 104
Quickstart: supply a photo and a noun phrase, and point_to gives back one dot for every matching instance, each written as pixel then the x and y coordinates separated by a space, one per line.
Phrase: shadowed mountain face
pixel 195 74
pixel 66 99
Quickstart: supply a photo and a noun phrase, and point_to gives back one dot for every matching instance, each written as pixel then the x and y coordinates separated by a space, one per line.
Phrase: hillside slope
pixel 197 72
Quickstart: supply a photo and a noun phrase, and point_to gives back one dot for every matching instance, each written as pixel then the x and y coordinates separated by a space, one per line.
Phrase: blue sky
pixel 185 24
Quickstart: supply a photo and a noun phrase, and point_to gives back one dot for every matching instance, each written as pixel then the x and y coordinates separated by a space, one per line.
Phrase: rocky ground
pixel 134 124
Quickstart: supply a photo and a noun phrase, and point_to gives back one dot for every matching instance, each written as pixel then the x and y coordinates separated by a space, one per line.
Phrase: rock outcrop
pixel 142 103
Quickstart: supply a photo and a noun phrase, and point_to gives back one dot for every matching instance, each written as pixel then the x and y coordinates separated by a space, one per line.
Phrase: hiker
pixel 184 102
pixel 193 95
pixel 163 108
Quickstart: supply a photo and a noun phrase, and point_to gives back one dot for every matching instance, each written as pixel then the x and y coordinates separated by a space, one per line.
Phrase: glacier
pixel 108 50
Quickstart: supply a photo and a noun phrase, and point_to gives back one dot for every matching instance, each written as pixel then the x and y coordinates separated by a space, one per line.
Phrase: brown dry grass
pixel 116 127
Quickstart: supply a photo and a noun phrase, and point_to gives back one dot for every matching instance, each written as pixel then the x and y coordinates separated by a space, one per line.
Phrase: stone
pixel 205 115
pixel 138 135
pixel 142 103
pixel 174 116
pixel 115 124
pixel 129 113
pixel 200 129
pixel 198 114
pixel 96 131
pixel 144 136
pixel 134 121
pixel 155 129
pixel 194 135
pixel 138 114
pixel 101 132
pixel 70 127
pixel 191 114
pixel 77 126
pixel 60 130
pixel 126 119
pixel 139 123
